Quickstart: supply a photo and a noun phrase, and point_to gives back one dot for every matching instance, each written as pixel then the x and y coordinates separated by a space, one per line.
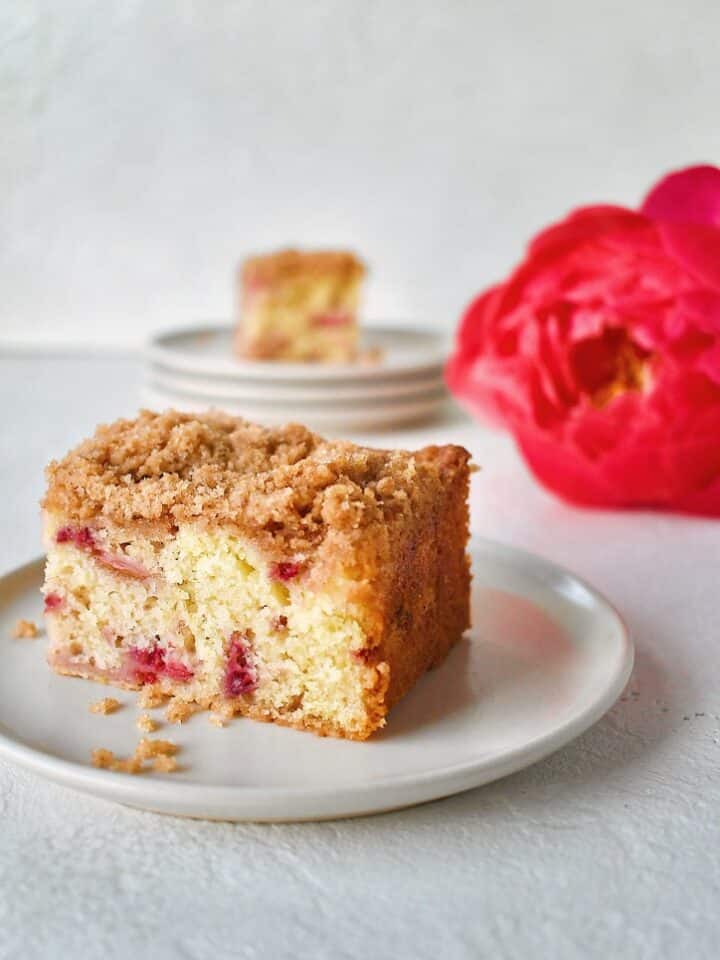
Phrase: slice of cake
pixel 263 572
pixel 298 306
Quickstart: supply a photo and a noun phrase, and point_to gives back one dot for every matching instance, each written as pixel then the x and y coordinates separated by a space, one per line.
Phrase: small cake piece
pixel 161 753
pixel 148 749
pixel 151 697
pixel 164 764
pixel 253 571
pixel 105 706
pixel 25 630
pixel 146 723
pixel 297 306
pixel 103 759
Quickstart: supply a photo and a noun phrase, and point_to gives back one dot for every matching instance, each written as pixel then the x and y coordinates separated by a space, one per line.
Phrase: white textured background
pixel 145 147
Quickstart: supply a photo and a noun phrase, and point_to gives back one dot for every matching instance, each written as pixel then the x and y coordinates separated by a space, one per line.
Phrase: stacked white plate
pixel 195 369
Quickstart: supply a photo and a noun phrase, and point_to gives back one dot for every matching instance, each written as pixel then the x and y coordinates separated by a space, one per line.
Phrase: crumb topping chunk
pixel 25 630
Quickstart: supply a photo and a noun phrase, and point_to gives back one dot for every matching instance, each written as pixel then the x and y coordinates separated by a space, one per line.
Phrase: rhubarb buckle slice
pixel 267 573
pixel 299 306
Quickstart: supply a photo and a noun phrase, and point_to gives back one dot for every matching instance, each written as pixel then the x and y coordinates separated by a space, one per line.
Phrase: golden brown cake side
pixel 426 593
pixel 299 306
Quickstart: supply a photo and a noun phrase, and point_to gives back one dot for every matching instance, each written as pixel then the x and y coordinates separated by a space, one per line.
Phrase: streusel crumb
pixel 151 697
pixel 25 630
pixel 105 706
pixel 160 752
pixel 132 765
pixel 103 759
pixel 146 723
pixel 165 764
pixel 148 749
pixel 178 711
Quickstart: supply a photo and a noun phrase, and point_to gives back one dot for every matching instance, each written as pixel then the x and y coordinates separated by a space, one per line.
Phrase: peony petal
pixel 709 364
pixel 702 308
pixel 687 196
pixel 696 248
pixel 583 224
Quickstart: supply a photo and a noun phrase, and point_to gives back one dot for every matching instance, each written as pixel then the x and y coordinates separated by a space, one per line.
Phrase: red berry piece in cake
pixel 84 539
pixel 240 674
pixel 122 564
pixel 336 319
pixel 285 571
pixel 146 663
pixel 176 670
pixel 53 602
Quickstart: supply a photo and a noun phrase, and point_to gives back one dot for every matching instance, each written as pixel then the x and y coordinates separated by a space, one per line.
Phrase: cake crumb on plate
pixel 178 711
pixel 105 706
pixel 25 630
pixel 102 758
pixel 163 764
pixel 151 697
pixel 148 749
pixel 129 765
pixel 161 752
pixel 146 723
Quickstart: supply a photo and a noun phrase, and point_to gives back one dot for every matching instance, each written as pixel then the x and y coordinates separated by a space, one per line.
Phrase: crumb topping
pixel 160 752
pixel 149 749
pixel 178 711
pixel 289 264
pixel 151 697
pixel 25 630
pixel 102 758
pixel 128 765
pixel 105 706
pixel 163 764
pixel 285 486
pixel 146 723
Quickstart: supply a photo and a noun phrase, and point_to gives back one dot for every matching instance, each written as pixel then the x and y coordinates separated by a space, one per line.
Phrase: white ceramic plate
pixel 546 658
pixel 277 391
pixel 318 416
pixel 207 350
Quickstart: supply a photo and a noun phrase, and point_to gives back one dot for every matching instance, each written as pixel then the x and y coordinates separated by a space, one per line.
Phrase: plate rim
pixel 411 788
pixel 302 391
pixel 318 407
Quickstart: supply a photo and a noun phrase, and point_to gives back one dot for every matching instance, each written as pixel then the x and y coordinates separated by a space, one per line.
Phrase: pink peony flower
pixel 601 352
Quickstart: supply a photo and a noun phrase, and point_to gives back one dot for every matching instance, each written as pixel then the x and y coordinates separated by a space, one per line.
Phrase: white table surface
pixel 609 849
